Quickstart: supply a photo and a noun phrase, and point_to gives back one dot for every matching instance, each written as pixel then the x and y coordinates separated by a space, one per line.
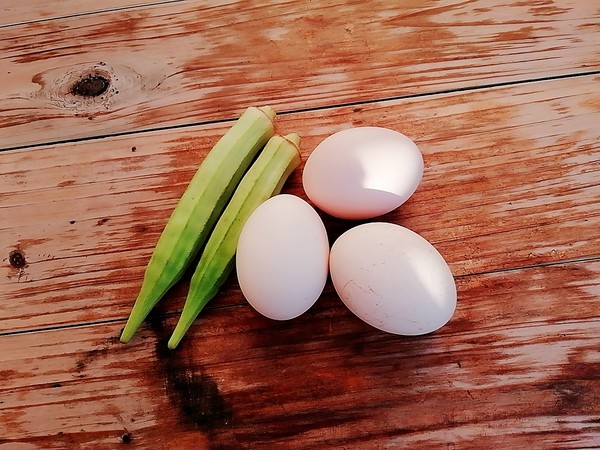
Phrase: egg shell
pixel 393 279
pixel 362 172
pixel 282 257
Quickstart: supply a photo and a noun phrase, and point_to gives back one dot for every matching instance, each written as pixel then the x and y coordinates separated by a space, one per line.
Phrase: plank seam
pixel 441 92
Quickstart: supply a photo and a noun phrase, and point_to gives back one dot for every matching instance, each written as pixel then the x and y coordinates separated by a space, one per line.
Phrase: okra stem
pixel 264 179
pixel 199 209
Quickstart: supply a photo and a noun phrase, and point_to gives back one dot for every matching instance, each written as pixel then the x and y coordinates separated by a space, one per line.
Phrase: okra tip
pixel 177 335
pixel 268 111
pixel 128 332
pixel 141 308
pixel 188 316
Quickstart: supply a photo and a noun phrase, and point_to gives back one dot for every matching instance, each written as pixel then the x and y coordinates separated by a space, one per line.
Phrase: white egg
pixel 362 172
pixel 282 257
pixel 393 279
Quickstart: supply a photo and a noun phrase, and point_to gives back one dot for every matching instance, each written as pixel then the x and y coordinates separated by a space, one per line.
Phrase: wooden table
pixel 108 108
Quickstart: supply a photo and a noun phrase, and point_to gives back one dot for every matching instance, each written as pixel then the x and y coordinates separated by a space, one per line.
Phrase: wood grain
pixel 16 12
pixel 512 179
pixel 201 61
pixel 518 365
pixel 502 98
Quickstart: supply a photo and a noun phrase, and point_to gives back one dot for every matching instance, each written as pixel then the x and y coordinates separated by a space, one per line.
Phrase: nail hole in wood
pixel 126 438
pixel 91 86
pixel 17 259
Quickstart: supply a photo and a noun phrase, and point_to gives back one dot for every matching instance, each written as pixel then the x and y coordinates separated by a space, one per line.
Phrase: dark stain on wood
pixel 570 395
pixel 102 221
pixel 90 86
pixel 194 393
pixel 139 228
pixel 95 353
pixel 199 399
pixel 66 183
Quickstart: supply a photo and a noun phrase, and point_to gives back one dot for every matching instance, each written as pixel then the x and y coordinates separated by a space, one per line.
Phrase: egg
pixel 362 172
pixel 393 279
pixel 282 257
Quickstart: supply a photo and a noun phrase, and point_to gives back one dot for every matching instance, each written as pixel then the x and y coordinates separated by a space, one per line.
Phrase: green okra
pixel 199 208
pixel 264 179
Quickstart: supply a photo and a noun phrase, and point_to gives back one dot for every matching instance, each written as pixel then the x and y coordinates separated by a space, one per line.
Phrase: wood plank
pixel 16 12
pixel 198 61
pixel 518 366
pixel 512 179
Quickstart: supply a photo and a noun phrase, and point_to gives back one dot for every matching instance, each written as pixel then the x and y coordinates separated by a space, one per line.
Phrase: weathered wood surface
pixel 510 197
pixel 190 62
pixel 518 364
pixel 512 179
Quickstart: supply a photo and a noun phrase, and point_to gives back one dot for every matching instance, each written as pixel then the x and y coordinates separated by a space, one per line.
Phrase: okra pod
pixel 199 208
pixel 264 179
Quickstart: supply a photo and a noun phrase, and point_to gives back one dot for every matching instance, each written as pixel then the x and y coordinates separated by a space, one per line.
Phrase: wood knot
pixel 91 85
pixel 17 259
